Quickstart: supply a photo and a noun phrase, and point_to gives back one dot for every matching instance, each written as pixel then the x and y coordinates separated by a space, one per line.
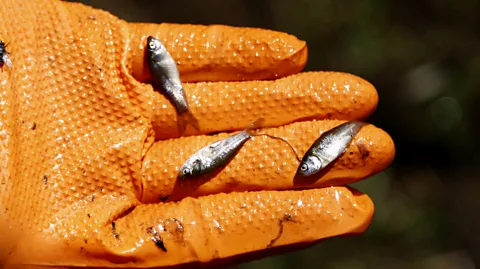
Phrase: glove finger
pixel 263 163
pixel 228 106
pixel 220 53
pixel 209 228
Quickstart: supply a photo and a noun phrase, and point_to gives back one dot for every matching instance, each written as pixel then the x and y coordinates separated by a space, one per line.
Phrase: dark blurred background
pixel 424 59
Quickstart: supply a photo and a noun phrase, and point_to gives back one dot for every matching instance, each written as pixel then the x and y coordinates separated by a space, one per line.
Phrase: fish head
pixel 310 165
pixel 155 47
pixel 190 168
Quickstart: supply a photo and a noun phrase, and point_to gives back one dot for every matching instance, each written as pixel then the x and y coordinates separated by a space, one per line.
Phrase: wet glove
pixel 90 151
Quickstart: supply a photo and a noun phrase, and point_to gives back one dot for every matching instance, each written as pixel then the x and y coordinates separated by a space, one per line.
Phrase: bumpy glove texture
pixel 90 151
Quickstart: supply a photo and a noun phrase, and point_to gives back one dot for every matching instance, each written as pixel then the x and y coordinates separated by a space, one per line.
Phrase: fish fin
pixel 215 144
pixel 187 118
pixel 357 124
pixel 353 125
pixel 7 61
pixel 350 127
pixel 254 125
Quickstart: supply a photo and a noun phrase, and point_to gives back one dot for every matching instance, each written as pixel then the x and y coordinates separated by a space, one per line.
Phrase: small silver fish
pixel 165 76
pixel 4 55
pixel 328 147
pixel 217 154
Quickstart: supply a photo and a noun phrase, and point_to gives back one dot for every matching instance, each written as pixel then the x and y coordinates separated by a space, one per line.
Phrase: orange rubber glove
pixel 90 152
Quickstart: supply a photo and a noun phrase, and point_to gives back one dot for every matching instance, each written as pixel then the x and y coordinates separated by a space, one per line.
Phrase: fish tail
pixel 254 125
pixel 354 127
pixel 187 118
pixel 182 125
pixel 358 125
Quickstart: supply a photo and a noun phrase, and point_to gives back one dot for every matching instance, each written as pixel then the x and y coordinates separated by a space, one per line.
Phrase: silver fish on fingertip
pixel 217 154
pixel 166 78
pixel 328 147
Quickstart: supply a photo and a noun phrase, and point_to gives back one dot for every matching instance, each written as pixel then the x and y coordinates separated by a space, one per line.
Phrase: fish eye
pixel 186 171
pixel 152 45
pixel 304 167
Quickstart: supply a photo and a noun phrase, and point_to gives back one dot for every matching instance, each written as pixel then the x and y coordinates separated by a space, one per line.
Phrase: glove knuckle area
pixel 263 163
pixel 228 106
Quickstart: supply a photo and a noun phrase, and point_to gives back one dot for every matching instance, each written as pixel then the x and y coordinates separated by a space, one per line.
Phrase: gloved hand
pixel 90 152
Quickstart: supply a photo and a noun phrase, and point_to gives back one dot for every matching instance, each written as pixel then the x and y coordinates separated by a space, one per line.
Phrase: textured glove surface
pixel 90 152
